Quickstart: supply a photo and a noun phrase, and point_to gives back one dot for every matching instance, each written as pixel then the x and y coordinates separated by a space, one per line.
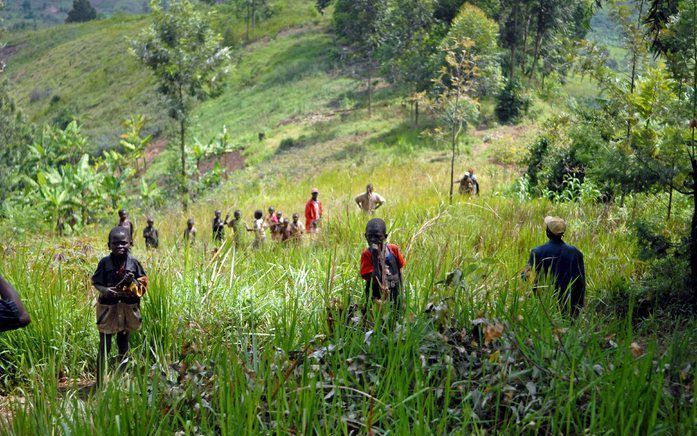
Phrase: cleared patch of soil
pixel 156 147
pixel 232 161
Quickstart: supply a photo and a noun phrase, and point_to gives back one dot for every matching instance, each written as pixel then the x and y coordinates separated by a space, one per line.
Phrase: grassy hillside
pixel 86 69
pixel 242 341
pixel 31 14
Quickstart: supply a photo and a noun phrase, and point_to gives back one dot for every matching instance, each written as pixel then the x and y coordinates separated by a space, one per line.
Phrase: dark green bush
pixel 513 102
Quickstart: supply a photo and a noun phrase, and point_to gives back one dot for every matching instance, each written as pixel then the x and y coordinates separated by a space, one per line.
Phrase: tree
pixel 471 23
pixel 82 11
pixel 252 10
pixel 188 60
pixel 15 134
pixel 408 43
pixel 358 24
pixel 453 105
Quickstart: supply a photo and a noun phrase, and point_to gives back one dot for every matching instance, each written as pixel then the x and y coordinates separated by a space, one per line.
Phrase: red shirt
pixel 367 259
pixel 311 213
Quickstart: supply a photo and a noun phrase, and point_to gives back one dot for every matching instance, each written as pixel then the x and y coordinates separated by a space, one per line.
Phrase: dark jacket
pixel 563 264
pixel 109 274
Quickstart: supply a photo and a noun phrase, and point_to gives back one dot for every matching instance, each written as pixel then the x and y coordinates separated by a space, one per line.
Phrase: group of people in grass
pixel 121 280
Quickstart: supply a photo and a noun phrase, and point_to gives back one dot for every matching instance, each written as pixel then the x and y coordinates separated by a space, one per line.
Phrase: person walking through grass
pixel 13 314
pixel 235 224
pixel 560 264
pixel 219 227
pixel 313 212
pixel 381 265
pixel 150 235
pixel 190 232
pixel 369 201
pixel 259 229
pixel 126 224
pixel 121 282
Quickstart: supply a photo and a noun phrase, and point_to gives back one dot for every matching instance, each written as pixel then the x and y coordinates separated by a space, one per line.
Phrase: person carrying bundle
pixel 381 265
pixel 121 282
pixel 466 184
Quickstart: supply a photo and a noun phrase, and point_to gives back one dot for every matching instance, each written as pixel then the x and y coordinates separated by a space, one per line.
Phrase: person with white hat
pixel 562 264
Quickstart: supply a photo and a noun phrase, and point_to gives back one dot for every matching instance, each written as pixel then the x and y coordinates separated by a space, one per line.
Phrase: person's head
pixel 369 188
pixel 555 227
pixel 279 214
pixel 150 221
pixel 376 231
pixel 258 214
pixel 467 175
pixel 238 214
pixel 315 193
pixel 296 217
pixel 190 222
pixel 217 213
pixel 123 214
pixel 271 210
pixel 285 222
pixel 119 241
pixel 470 170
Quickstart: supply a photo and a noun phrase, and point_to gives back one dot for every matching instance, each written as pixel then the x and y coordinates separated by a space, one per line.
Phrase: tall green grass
pixel 241 327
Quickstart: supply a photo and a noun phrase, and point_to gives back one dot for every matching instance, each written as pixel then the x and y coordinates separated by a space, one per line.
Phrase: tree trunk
pixel 452 164
pixel 511 67
pixel 416 113
pixel 536 56
pixel 526 33
pixel 370 92
pixel 693 234
pixel 670 201
pixel 182 144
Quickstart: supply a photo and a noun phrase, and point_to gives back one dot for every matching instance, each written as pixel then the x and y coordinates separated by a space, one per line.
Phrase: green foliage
pixel 471 23
pixel 189 61
pixel 513 102
pixel 82 11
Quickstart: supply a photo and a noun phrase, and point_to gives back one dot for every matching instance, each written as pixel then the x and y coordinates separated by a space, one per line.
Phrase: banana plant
pixel 132 142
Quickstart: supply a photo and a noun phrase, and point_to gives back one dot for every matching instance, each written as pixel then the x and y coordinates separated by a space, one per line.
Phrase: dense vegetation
pixel 597 128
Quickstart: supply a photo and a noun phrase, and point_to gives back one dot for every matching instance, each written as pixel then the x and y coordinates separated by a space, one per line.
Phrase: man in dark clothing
pixel 13 314
pixel 121 282
pixel 126 224
pixel 219 227
pixel 152 239
pixel 561 263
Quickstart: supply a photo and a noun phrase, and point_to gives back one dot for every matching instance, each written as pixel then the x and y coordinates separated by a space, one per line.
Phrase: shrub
pixel 513 102
pixel 290 143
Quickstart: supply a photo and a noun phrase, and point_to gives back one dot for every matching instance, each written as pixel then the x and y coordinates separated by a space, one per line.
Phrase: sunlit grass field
pixel 239 341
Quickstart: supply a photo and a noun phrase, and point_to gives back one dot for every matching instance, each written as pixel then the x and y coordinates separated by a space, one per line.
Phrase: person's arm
pixel 380 202
pixel 528 267
pixel 8 293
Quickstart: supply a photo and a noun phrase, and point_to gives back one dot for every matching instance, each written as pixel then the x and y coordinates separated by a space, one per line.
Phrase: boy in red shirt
pixel 381 265
pixel 313 212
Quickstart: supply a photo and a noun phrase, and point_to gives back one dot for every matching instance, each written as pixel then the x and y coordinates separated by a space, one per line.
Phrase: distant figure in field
pixel 190 232
pixel 259 229
pixel 381 265
pixel 219 227
pixel 262 136
pixel 13 314
pixel 126 224
pixel 121 282
pixel 276 229
pixel 475 182
pixel 270 220
pixel 296 229
pixel 561 263
pixel 369 201
pixel 466 184
pixel 284 230
pixel 236 224
pixel 151 236
pixel 313 212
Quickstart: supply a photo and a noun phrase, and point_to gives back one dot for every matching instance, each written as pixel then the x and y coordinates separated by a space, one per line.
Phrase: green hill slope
pixel 20 14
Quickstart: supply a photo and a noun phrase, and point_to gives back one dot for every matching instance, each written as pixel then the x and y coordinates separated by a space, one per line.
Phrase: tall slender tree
pixel 189 61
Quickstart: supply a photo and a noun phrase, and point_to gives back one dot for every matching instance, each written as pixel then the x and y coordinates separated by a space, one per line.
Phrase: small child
pixel 151 236
pixel 277 229
pixel 121 282
pixel 235 225
pixel 259 229
pixel 296 229
pixel 190 232
pixel 381 265
pixel 219 227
